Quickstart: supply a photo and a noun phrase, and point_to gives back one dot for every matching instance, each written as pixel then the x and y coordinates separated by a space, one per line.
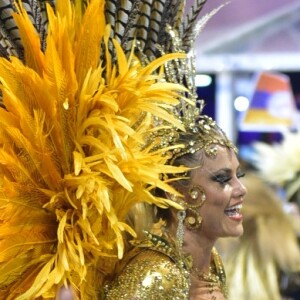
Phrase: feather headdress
pixel 83 84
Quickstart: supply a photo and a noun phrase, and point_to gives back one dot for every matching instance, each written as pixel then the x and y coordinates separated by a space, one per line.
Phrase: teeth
pixel 233 210
pixel 238 206
pixel 232 214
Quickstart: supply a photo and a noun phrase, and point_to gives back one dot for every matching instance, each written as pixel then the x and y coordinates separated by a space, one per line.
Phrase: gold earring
pixel 193 219
pixel 194 194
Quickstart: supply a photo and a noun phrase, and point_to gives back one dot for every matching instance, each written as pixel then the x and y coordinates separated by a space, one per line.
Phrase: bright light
pixel 203 80
pixel 241 103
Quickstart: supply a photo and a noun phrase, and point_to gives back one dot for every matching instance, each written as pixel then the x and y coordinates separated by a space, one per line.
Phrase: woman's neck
pixel 199 248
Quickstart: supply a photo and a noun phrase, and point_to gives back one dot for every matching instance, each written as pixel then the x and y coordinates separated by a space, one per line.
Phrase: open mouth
pixel 234 211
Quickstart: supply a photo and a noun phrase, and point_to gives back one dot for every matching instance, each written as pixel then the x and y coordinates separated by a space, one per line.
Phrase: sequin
pixel 150 275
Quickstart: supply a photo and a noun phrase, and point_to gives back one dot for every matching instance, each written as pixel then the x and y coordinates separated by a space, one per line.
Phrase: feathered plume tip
pixel 71 157
pixel 280 162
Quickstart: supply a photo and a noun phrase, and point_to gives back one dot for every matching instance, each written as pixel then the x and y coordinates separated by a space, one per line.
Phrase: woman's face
pixel 219 177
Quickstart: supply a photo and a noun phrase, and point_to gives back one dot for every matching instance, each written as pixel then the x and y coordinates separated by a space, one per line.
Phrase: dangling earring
pixel 193 219
pixel 180 228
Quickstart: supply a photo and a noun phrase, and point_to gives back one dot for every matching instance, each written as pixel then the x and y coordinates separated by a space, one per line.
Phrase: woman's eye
pixel 222 179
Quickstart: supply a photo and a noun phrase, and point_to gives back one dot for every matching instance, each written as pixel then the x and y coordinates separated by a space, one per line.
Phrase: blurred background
pixel 248 73
pixel 242 40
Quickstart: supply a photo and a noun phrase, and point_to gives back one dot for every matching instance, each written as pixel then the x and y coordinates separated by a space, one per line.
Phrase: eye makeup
pixel 225 175
pixel 221 176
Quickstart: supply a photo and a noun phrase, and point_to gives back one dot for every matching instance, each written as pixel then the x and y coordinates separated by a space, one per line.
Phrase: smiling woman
pixel 180 246
pixel 219 177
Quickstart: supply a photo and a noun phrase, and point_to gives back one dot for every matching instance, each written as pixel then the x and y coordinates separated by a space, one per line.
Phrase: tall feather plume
pixel 122 16
pixel 158 27
pixel 71 159
pixel 10 41
pixel 179 10
pixel 191 19
pixel 169 15
pixel 192 32
pixel 149 25
pixel 147 22
pixel 128 34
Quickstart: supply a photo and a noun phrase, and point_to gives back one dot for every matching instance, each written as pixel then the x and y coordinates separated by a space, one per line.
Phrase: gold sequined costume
pixel 155 269
pixel 151 275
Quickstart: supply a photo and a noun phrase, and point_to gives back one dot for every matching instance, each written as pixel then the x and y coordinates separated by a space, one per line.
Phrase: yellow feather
pixel 117 174
pixel 89 37
pixel 121 58
pixel 61 228
pixel 155 64
pixel 40 280
pixel 34 57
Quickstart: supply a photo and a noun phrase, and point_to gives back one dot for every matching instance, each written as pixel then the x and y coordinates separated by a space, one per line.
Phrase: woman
pixel 178 260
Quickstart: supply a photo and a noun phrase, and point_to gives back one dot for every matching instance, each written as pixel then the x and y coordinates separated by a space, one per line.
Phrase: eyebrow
pixel 222 170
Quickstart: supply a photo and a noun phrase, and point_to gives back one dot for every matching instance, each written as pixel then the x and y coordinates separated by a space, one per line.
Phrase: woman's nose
pixel 240 189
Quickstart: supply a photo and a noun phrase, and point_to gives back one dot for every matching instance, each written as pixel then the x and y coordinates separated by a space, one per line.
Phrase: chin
pixel 237 232
pixel 234 228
